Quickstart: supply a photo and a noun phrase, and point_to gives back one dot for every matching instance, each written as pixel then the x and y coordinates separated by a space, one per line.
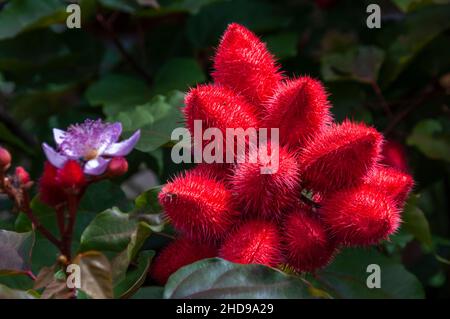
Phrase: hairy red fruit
pixel 118 166
pixel 198 206
pixel 393 155
pixel 394 183
pixel 255 242
pixel 340 157
pixel 266 194
pixel 22 175
pixel 360 216
pixel 5 158
pixel 179 253
pixel 300 109
pixel 307 244
pixel 218 107
pixel 217 171
pixel 243 63
pixel 71 176
pixel 50 191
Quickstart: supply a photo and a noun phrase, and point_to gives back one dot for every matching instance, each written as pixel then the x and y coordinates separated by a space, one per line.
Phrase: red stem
pixel 68 233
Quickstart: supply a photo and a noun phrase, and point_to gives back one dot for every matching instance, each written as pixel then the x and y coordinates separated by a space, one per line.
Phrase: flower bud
pixel 5 158
pixel 22 175
pixel 118 166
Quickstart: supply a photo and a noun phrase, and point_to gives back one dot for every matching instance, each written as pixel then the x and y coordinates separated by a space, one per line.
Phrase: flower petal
pixel 109 136
pixel 54 157
pixel 58 136
pixel 123 148
pixel 96 166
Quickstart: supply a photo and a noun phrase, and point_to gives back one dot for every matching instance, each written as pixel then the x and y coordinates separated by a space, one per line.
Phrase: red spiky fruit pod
pixel 243 63
pixel 218 171
pixel 307 244
pixel 218 107
pixel 300 109
pixel 254 242
pixel 269 184
pixel 181 252
pixel 198 206
pixel 394 155
pixel 340 156
pixel 50 191
pixel 360 216
pixel 393 182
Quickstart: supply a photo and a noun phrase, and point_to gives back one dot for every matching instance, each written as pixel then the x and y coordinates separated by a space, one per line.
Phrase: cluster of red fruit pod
pixel 331 189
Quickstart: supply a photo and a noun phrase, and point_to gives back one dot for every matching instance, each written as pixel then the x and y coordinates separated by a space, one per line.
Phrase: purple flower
pixel 93 143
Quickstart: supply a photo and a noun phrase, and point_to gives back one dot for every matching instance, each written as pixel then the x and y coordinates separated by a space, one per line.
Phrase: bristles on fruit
pixel 307 244
pixel 198 206
pixel 394 183
pixel 220 108
pixel 179 253
pixel 50 192
pixel 266 194
pixel 71 176
pixel 243 63
pixel 340 157
pixel 255 242
pixel 360 216
pixel 300 109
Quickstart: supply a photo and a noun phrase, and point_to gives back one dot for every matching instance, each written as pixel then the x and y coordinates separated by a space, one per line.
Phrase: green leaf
pixel 15 251
pixel 418 29
pixel 111 230
pixel 410 5
pixel 283 45
pixel 96 275
pixel 136 277
pixel 415 222
pixel 8 293
pixel 22 15
pixel 177 74
pixel 360 64
pixel 103 195
pixel 346 277
pixel 148 209
pixel 156 120
pixel 117 93
pixel 427 138
pixel 217 278
pixel 152 292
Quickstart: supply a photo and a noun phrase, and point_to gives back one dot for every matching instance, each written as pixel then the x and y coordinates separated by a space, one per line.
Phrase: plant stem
pixel 68 233
pixel 379 94
pixel 127 57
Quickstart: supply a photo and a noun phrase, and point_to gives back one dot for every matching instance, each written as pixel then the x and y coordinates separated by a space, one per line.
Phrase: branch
pixel 127 57
pixel 380 96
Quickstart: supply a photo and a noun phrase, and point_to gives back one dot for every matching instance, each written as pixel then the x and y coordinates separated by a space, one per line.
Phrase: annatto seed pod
pixel 394 183
pixel 340 157
pixel 307 244
pixel 198 206
pixel 179 253
pixel 218 171
pixel 394 155
pixel 266 194
pixel 300 109
pixel 254 242
pixel 360 216
pixel 218 107
pixel 243 63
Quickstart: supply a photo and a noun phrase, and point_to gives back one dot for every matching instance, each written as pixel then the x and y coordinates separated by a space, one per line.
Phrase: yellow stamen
pixel 90 154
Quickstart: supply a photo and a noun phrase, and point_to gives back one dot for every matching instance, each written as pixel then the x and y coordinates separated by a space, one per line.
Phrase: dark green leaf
pixel 415 222
pixel 217 278
pixel 347 277
pixel 152 292
pixel 427 138
pixel 8 293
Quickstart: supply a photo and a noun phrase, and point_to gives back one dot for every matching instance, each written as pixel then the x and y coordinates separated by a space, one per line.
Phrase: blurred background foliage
pixel 132 60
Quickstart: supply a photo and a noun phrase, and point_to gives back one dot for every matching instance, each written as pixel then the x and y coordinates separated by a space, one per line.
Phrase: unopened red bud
pixel 117 167
pixel 22 175
pixel 5 158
